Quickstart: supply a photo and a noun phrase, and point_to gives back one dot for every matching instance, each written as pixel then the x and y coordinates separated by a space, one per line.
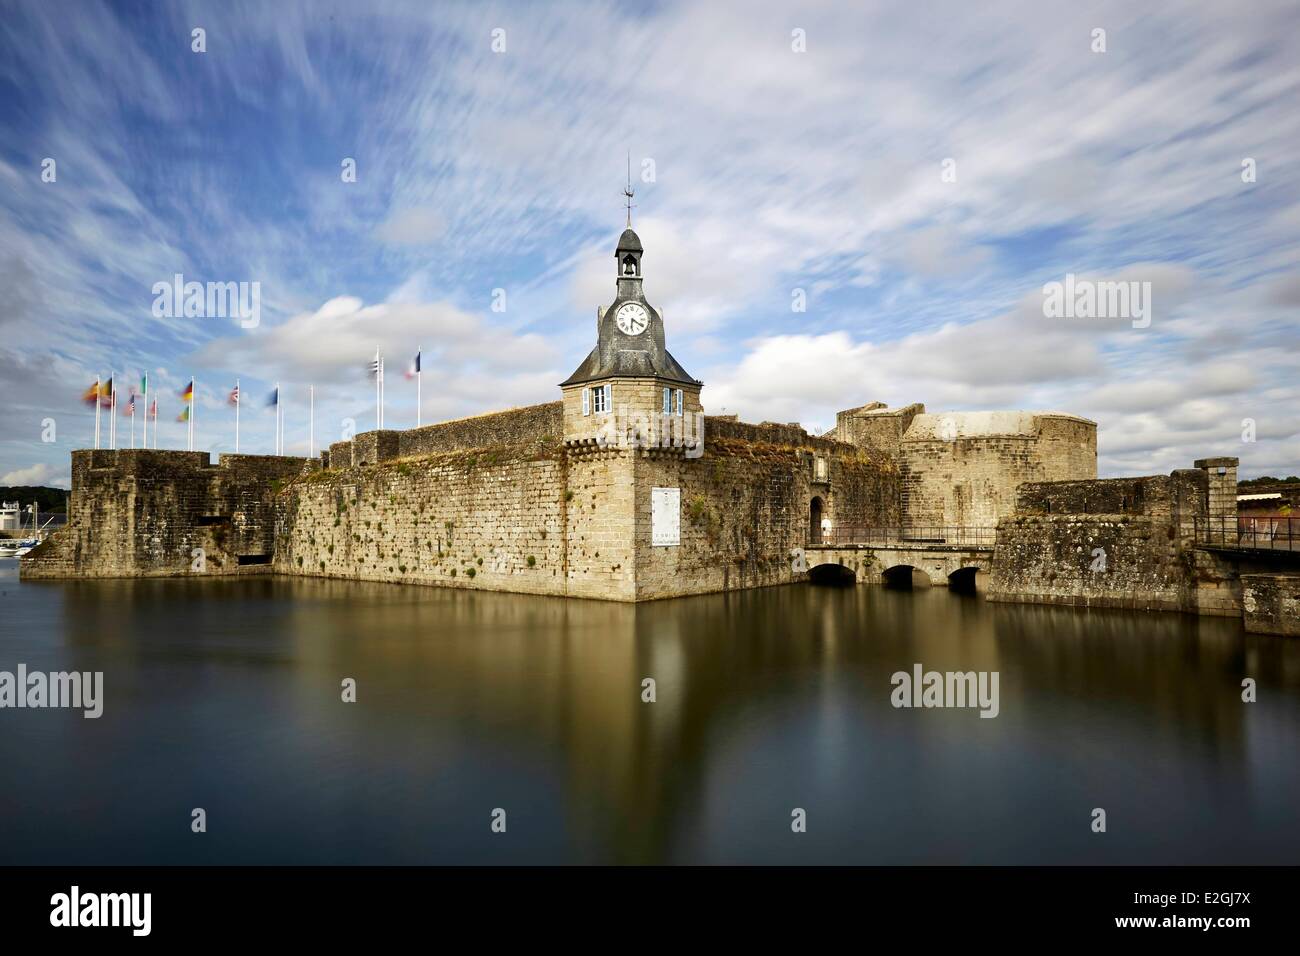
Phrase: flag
pixel 154 410
pixel 187 394
pixel 144 383
pixel 106 393
pixel 129 408
pixel 234 396
pixel 184 416
pixel 415 367
pixel 274 398
pixel 374 367
pixel 91 395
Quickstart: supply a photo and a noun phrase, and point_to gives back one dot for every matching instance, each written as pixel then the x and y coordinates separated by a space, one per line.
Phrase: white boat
pixel 11 548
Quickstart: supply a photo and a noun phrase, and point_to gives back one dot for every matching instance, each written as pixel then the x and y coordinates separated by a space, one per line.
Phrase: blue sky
pixel 773 171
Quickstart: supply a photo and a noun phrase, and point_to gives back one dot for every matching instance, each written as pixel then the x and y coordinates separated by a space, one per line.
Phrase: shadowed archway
pixel 964 580
pixel 833 575
pixel 815 509
pixel 898 577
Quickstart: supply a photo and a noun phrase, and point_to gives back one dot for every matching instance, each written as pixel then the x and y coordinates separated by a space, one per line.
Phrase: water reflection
pixel 226 694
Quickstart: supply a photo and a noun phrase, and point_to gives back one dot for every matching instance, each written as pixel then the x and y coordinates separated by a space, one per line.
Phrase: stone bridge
pixel 948 559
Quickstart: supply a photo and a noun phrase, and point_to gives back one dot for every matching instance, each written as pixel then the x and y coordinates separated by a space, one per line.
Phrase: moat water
pixel 226 695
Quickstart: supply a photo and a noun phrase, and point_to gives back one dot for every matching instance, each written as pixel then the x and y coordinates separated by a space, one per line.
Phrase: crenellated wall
pixel 1116 542
pixel 144 512
pixel 746 509
pixel 963 469
pixel 528 511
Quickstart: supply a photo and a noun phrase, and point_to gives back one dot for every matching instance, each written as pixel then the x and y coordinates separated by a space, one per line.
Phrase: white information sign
pixel 665 517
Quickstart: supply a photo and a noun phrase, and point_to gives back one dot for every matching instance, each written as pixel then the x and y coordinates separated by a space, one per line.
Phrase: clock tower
pixel 630 390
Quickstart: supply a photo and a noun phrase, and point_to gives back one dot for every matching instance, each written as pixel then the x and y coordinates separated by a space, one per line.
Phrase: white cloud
pixel 417 226
pixel 37 474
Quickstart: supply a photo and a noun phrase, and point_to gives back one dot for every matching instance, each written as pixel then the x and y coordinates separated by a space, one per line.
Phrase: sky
pixel 840 203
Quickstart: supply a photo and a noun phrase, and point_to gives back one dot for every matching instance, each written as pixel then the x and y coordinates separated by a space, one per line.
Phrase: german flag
pixel 188 394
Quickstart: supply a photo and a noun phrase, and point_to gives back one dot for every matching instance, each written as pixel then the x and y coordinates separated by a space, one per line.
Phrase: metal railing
pixel 1257 534
pixel 910 537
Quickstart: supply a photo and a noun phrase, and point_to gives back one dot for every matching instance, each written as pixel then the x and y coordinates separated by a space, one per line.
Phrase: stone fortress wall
pixel 143 512
pixel 1119 542
pixel 570 518
pixel 1132 543
pixel 504 502
pixel 496 502
pixel 963 469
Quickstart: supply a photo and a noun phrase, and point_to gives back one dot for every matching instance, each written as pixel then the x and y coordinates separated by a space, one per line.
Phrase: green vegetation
pixel 702 515
pixel 46 498
pixel 1268 480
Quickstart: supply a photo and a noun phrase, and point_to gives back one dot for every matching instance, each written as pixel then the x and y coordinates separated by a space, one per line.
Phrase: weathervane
pixel 627 191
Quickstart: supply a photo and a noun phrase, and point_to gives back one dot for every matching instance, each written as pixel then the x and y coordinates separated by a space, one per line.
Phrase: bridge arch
pixel 835 575
pixel 964 579
pixel 900 577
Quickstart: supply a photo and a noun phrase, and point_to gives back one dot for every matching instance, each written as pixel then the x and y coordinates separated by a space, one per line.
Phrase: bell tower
pixel 630 390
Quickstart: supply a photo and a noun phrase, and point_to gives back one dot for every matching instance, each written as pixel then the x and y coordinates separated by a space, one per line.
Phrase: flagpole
pixel 132 421
pixel 144 440
pixel 381 392
pixel 277 418
pixel 378 421
pixel 112 424
pixel 194 393
pixel 419 370
pixel 99 400
pixel 311 421
pixel 238 398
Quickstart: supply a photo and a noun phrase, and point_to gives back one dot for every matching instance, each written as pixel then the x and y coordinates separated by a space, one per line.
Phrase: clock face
pixel 632 319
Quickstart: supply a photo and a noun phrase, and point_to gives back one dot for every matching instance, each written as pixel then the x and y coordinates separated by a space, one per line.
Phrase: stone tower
pixel 630 391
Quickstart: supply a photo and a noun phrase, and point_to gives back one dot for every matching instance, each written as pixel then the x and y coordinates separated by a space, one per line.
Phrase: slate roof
pixel 630 363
